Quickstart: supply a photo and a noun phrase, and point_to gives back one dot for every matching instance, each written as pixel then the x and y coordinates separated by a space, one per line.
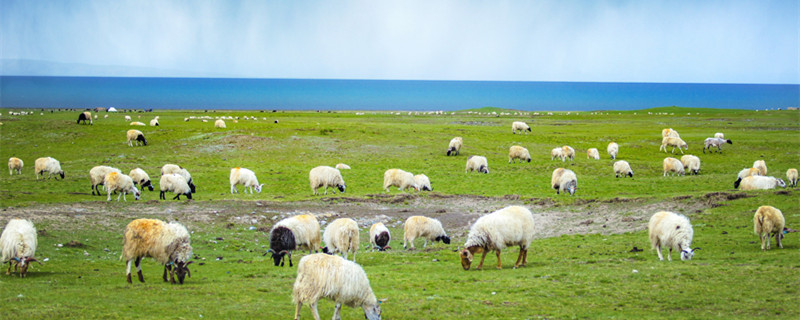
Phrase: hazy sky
pixel 626 41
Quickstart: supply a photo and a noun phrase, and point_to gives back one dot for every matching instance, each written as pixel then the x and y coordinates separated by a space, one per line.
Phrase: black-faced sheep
pixel 167 243
pixel 98 176
pixel 141 178
pixel 398 178
pixel 49 165
pixel 564 180
pixel 115 181
pixel 422 182
pixel 245 177
pixel 761 183
pixel 592 153
pixel 494 232
pixel 521 126
pixel 174 183
pixel 423 227
pixel 455 146
pixel 791 176
pixel 379 237
pixel 15 164
pixel 691 164
pixel 769 221
pixel 326 177
pixel 622 167
pixel 518 152
pixel 85 116
pixel 613 149
pixel 341 235
pixel 18 244
pixel 671 230
pixel 673 165
pixel 674 143
pixel 477 163
pixel 714 142
pixel 293 233
pixel 137 136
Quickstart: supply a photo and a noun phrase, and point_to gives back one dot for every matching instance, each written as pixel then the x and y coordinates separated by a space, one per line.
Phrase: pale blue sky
pixel 610 41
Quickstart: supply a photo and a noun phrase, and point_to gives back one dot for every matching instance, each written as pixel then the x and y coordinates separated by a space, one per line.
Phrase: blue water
pixel 310 94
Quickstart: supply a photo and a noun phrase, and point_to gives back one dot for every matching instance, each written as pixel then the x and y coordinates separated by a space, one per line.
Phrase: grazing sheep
pixel 18 244
pixel 556 153
pixel 592 153
pixel 341 235
pixel 521 126
pixel 115 181
pixel 494 232
pixel 136 135
pixel 761 166
pixel 137 123
pixel 564 180
pixel 691 164
pixel 49 165
pixel 422 182
pixel 141 178
pixel 127 118
pixel 719 135
pixel 613 149
pixel 98 176
pixel 423 227
pixel 673 165
pixel 342 166
pixel 219 124
pixel 674 143
pixel 324 276
pixel 671 230
pixel 761 183
pixel 174 183
pixel 245 177
pixel 769 221
pixel 176 169
pixel 400 179
pixel 293 233
pixel 455 146
pixel 567 152
pixel 669 133
pixel 167 243
pixel 379 237
pixel 518 152
pixel 622 167
pixel 86 115
pixel 154 122
pixel 15 163
pixel 791 176
pixel 477 163
pixel 744 173
pixel 326 177
pixel 714 142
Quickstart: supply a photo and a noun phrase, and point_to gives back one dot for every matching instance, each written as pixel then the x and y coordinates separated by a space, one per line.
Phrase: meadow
pixel 587 263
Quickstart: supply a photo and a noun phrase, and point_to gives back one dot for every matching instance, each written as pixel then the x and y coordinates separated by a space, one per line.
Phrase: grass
pixel 569 276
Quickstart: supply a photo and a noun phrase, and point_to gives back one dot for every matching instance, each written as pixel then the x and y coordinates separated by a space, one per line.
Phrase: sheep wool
pixel 477 163
pixel 137 136
pixel 15 164
pixel 332 277
pixel 141 178
pixel 423 182
pixel 518 152
pixel 342 166
pixel 761 166
pixel 137 123
pixel 423 227
pixel 167 243
pixel 115 181
pixel 496 231
pixel 520 126
pixel 49 165
pixel 455 146
pixel 767 222
pixel 791 176
pixel 342 235
pixel 398 178
pixel 592 153
pixel 613 149
pixel 691 164
pixel 219 124
pixel 761 183
pixel 673 165
pixel 671 230
pixel 245 177
pixel 98 176
pixel 622 167
pixel 18 245
pixel 379 236
pixel 326 177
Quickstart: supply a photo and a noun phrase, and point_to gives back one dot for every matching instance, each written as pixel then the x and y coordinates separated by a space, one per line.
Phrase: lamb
pixel 344 282
pixel 86 115
pixel 671 230
pixel 98 176
pixel 592 153
pixel 761 166
pixel 518 152
pixel 769 221
pixel 622 167
pixel 219 124
pixel 477 163
pixel 556 153
pixel 379 237
pixel 245 177
pixel 137 123
pixel 115 181
pixel 567 152
pixel 674 143
pixel 293 233
pixel 176 169
pixel 136 135
pixel 167 243
pixel 455 146
pixel 325 177
pixel 564 180
pixel 141 178
pixel 521 126
pixel 423 182
pixel 761 183
pixel 744 173
pixel 673 165
pixel 714 142
pixel 342 166
pixel 400 179
pixel 423 227
pixel 154 122
pixel 174 183
pixel 719 135
pixel 341 235
pixel 791 176
pixel 613 149
pixel 18 244
pixel 127 118
pixel 49 165
pixel 691 164
pixel 494 232
pixel 669 133
pixel 15 164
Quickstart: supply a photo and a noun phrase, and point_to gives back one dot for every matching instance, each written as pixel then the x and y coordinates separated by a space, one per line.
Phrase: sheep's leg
pixel 669 254
pixel 172 275
pixel 425 244
pixel 763 242
pixel 660 256
pixel 290 259
pixel 314 311
pixel 166 266
pixel 109 196
pixel 768 240
pixel 778 236
pixel 519 258
pixel 139 269
pixel 233 188
pixel 480 265
pixel 128 272
pixel 121 194
pixel 499 265
pixel 525 258
pixel 337 312
pixel 8 272
pixel 354 255
pixel 297 310
pixel 344 253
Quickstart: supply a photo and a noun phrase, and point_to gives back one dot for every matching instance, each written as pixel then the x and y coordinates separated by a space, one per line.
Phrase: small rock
pixel 494 293
pixel 252 228
pixel 635 271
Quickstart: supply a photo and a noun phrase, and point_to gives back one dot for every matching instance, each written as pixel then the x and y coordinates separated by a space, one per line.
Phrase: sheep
pixel 379 237
pixel 342 166
pixel 744 173
pixel 137 123
pixel 719 135
pixel 521 126
pixel 556 153
pixel 613 149
pixel 423 227
pixel 398 178
pixel 518 152
pixel 622 167
pixel 691 164
pixel 791 176
pixel 422 182
pixel 668 132
pixel 564 180
pixel 341 235
pixel 592 153
pixel 671 230
pixel 219 124
pixel 167 243
pixel 293 233
pixel 127 118
pixel 768 221
pixel 714 142
pixel 567 152
pixel 115 181
pixel 154 122
pixel 673 165
pixel 245 177
pixel 477 163
pixel 174 183
pixel 137 136
pixel 49 165
pixel 761 183
pixel 494 232
pixel 176 169
pixel 455 146
pixel 141 178
pixel 86 115
pixel 675 143
pixel 18 244
pixel 325 177
pixel 98 175
pixel 344 282
pixel 15 164
pixel 761 166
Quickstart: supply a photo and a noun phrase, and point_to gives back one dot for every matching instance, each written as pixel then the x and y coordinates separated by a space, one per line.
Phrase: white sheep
pixel 141 178
pixel 137 123
pixel 174 183
pixel 506 227
pixel 521 126
pixel 379 237
pixel 564 180
pixel 294 233
pixel 671 230
pixel 49 165
pixel 219 124
pixel 422 182
pixel 623 168
pixel 176 169
pixel 342 166
pixel 98 176
pixel 668 132
pixel 332 277
pixel 18 244
pixel 791 176
pixel 673 165
pixel 556 153
pixel 245 177
pixel 674 143
pixel 714 142
pixel 477 163
pixel 167 243
pixel 761 183
pixel 115 181
pixel 137 136
pixel 769 221
pixel 719 135
pixel 592 153
pixel 15 164
pixel 341 235
pixel 761 166
pixel 567 152
pixel 127 118
pixel 518 152
pixel 154 122
pixel 423 227
pixel 398 178
pixel 691 164
pixel 326 177
pixel 744 173
pixel 455 146
pixel 613 149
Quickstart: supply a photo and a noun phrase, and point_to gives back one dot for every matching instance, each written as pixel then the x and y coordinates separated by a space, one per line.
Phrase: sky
pixel 593 41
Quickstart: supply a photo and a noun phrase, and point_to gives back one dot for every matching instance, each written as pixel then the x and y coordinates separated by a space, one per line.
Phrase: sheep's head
pixel 182 269
pixel 341 187
pixel 483 169
pixel 258 187
pixel 529 129
pixel 466 259
pixel 571 187
pixel 136 193
pixel 191 186
pixel 372 312
pixel 278 257
pixel 23 264
pixel 142 139
pixel 688 253
pixel 729 141
pixel 630 174
pixel 146 183
pixel 529 159
pixel 781 183
pixel 61 173
pixel 188 195
pixel 444 239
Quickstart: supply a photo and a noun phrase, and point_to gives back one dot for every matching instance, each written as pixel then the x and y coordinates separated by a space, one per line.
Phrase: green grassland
pixel 569 276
